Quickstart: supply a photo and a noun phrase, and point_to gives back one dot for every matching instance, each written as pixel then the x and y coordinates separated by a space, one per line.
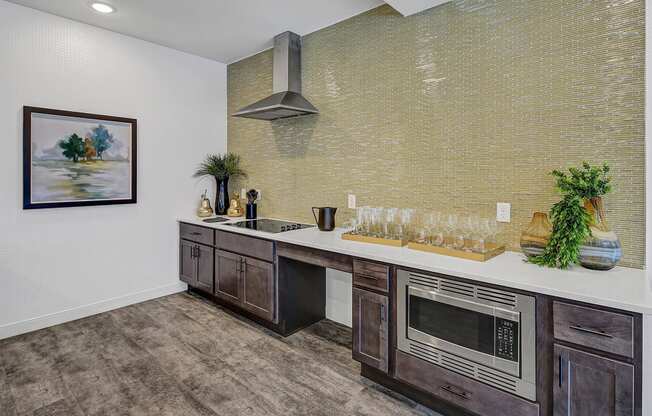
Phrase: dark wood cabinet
pixel 370 328
pixel 205 259
pixel 196 265
pixel 187 262
pixel 246 282
pixel 258 294
pixel 590 385
pixel 227 276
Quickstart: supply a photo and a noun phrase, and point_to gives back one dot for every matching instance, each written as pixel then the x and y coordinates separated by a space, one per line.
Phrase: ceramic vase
pixel 535 236
pixel 602 250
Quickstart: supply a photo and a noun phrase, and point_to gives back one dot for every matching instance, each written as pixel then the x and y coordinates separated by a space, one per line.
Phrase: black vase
pixel 222 196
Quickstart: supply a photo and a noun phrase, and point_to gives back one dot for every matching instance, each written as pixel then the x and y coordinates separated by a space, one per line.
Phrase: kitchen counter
pixel 621 288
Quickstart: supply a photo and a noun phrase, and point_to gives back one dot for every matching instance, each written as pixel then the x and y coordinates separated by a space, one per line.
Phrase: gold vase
pixel 602 250
pixel 536 235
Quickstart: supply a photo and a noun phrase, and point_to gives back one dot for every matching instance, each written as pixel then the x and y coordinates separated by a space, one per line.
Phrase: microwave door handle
pixel 465 304
pixel 453 301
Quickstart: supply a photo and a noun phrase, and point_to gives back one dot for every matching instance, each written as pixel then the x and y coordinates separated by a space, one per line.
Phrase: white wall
pixel 61 264
pixel 647 328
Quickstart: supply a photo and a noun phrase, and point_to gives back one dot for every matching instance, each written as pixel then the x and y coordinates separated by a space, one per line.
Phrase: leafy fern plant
pixel 570 227
pixel 221 166
pixel 570 220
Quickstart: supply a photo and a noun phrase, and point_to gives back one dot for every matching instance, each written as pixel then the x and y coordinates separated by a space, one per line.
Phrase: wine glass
pixel 458 234
pixel 450 225
pixel 467 229
pixel 437 235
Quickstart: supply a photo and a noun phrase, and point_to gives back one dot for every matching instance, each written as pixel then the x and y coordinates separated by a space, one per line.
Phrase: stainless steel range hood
pixel 286 100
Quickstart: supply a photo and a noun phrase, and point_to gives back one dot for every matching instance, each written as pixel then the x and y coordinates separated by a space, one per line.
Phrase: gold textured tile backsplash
pixel 456 108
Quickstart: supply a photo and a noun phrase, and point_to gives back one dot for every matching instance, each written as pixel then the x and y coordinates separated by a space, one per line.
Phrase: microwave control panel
pixel 507 339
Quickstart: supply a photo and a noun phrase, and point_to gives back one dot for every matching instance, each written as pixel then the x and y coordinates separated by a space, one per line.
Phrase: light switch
pixel 503 212
pixel 351 201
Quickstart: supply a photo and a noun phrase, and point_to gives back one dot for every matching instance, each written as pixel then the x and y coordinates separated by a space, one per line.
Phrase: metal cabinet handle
pixel 193 253
pixel 561 371
pixel 382 312
pixel 195 233
pixel 366 276
pixel 592 331
pixel 240 267
pixel 456 391
pixel 198 252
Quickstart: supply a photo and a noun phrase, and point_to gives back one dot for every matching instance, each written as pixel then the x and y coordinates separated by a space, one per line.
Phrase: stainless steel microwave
pixel 480 332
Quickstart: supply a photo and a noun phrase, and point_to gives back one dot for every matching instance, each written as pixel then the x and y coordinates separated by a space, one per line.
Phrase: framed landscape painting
pixel 77 159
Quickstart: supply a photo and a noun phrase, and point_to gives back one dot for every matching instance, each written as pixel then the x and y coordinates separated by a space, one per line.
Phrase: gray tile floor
pixel 180 355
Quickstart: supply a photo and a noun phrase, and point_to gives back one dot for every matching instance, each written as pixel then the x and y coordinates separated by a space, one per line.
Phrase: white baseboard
pixel 56 318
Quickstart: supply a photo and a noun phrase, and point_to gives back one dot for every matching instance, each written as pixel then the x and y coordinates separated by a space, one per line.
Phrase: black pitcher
pixel 326 220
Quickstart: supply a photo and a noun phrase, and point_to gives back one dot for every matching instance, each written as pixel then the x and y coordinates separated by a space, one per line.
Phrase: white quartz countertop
pixel 621 288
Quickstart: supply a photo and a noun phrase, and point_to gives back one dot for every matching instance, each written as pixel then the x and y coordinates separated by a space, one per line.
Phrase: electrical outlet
pixel 243 193
pixel 503 212
pixel 351 201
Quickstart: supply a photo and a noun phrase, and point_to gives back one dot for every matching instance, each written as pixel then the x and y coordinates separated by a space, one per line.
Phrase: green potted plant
pixel 580 233
pixel 222 167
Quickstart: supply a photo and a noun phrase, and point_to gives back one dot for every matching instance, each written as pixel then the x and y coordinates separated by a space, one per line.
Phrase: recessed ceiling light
pixel 102 8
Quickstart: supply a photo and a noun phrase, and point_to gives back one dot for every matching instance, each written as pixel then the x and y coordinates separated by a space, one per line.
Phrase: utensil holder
pixel 252 213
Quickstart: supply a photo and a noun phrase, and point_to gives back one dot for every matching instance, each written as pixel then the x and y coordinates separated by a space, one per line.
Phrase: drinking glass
pixel 361 220
pixel 390 223
pixel 406 221
pixel 376 225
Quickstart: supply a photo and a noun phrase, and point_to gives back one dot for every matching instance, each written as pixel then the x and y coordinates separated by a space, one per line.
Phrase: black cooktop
pixel 269 226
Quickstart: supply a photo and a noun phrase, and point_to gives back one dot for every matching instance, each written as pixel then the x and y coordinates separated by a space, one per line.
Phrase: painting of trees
pixel 97 141
pixel 89 150
pixel 77 159
pixel 73 147
pixel 102 139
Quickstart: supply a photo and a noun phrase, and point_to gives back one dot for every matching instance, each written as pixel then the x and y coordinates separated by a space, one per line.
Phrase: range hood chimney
pixel 286 100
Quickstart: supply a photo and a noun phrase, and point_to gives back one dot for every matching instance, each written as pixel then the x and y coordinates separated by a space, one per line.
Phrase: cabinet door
pixel 205 264
pixel 227 276
pixel 590 385
pixel 258 289
pixel 187 270
pixel 370 340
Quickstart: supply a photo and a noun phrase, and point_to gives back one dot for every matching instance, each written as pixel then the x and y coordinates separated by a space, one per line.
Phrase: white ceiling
pixel 409 7
pixel 223 30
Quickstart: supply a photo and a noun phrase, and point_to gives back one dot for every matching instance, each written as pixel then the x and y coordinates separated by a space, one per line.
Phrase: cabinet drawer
pixel 462 391
pixel 371 275
pixel 248 246
pixel 197 234
pixel 601 330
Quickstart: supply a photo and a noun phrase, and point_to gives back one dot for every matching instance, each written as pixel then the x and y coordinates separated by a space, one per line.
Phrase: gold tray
pixel 373 240
pixel 493 251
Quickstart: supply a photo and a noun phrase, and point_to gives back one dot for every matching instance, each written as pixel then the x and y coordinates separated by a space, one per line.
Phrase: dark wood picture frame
pixel 27 158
